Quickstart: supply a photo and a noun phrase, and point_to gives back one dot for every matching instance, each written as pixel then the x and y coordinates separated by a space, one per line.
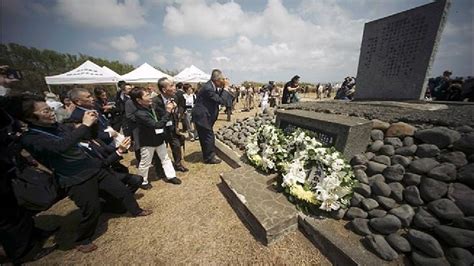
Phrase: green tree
pixel 35 64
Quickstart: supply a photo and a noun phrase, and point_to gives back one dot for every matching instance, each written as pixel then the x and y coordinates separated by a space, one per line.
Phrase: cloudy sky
pixel 257 40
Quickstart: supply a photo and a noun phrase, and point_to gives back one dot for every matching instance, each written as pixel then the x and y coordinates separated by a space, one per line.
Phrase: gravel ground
pixel 191 224
pixel 455 115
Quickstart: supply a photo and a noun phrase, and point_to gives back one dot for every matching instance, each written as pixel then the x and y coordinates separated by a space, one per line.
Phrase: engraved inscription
pixel 325 138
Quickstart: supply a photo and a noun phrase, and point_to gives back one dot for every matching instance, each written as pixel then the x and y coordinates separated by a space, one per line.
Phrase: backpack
pixel 34 189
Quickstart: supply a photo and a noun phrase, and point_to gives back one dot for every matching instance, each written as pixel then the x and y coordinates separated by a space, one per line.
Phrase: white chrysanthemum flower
pixel 296 173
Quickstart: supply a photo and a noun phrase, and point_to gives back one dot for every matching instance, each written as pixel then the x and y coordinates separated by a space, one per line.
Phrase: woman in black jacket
pixel 150 131
pixel 80 175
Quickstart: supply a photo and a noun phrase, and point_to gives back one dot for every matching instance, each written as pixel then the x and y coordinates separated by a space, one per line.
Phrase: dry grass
pixel 191 224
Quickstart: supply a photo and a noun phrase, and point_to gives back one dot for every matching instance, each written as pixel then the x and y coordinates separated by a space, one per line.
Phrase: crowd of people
pixel 74 145
pixel 444 88
pixel 71 145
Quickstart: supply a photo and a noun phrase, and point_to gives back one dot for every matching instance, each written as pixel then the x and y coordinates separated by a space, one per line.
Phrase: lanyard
pixel 45 133
pixel 153 114
pixel 49 134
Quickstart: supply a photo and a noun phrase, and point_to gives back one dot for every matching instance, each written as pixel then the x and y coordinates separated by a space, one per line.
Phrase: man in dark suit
pixel 118 119
pixel 206 111
pixel 181 102
pixel 173 137
pixel 84 101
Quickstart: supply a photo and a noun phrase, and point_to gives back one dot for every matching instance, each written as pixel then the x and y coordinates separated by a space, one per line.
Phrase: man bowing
pixel 206 111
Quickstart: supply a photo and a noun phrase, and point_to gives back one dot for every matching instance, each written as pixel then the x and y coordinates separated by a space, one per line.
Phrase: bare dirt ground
pixel 191 224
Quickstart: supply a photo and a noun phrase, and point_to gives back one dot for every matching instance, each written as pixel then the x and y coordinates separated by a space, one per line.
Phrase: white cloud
pixel 102 14
pixel 156 53
pixel 123 43
pixel 319 40
pixel 184 58
pixel 130 57
pixel 215 20
pixel 161 2
pixel 159 59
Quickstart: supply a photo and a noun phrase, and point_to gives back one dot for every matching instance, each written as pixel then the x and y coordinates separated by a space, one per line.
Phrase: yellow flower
pixel 299 192
pixel 257 159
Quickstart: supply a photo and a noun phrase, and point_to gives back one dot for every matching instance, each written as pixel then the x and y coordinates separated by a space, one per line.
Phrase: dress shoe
pixel 43 234
pixel 36 253
pixel 35 249
pixel 86 248
pixel 146 186
pixel 181 168
pixel 144 213
pixel 174 180
pixel 213 161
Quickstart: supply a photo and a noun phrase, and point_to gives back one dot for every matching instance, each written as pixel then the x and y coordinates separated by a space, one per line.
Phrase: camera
pixel 11 73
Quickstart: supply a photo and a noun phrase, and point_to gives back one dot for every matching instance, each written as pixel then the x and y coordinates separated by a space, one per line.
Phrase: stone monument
pixel 397 52
pixel 349 135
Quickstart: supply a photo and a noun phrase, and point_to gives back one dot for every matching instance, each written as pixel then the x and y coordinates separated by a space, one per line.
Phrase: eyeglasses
pixel 46 111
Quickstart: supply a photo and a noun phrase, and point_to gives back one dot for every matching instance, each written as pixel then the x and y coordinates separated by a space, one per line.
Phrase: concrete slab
pixel 231 157
pixel 267 213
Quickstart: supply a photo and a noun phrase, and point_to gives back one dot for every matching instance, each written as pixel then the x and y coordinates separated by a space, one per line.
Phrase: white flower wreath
pixel 266 148
pixel 311 173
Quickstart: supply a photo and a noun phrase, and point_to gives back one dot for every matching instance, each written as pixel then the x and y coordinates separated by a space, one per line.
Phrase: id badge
pixel 159 131
pixel 169 123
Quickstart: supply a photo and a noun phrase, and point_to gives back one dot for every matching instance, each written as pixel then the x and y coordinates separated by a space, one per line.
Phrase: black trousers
pixel 86 197
pixel 175 144
pixel 116 193
pixel 207 141
pixel 16 226
pixel 132 182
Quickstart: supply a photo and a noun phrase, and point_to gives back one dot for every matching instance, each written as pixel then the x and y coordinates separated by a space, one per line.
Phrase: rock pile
pixel 235 135
pixel 416 193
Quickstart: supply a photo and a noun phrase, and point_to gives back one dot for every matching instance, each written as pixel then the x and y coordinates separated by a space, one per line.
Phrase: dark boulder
pixel 445 209
pixel 380 247
pixel 439 136
pixel 425 242
pixel 432 189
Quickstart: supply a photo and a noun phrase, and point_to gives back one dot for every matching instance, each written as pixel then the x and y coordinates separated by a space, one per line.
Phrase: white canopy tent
pixel 144 74
pixel 192 74
pixel 111 72
pixel 87 73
